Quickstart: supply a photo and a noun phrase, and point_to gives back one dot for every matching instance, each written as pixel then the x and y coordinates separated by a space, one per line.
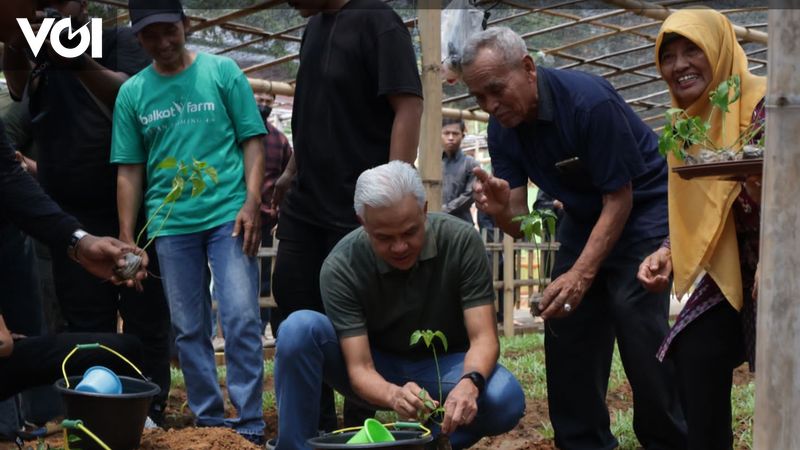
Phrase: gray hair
pixel 501 40
pixel 386 185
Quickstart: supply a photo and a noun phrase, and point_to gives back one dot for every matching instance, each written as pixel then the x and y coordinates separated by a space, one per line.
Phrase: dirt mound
pixel 194 439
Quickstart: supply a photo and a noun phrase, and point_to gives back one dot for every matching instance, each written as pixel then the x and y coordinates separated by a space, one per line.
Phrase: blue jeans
pixel 308 353
pixel 184 260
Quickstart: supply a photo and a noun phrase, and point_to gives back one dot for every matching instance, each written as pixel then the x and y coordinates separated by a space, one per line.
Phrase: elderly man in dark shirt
pixel 574 136
pixel 457 176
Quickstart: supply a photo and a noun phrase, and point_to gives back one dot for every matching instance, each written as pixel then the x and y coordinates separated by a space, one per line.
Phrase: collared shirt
pixel 277 152
pixel 457 181
pixel 365 295
pixel 581 115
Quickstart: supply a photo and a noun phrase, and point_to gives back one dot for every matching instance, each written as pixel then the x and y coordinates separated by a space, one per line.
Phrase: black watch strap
pixel 477 379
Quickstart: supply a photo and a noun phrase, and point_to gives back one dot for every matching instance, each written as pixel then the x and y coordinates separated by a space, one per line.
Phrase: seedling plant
pixel 682 131
pixel 192 173
pixel 535 222
pixel 428 337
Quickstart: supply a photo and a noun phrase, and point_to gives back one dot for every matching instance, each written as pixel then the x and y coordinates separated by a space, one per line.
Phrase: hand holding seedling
pixel 411 402
pixel 100 256
pixel 193 174
pixel 567 289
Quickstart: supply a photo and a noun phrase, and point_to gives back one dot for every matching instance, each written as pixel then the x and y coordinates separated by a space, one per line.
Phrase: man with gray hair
pixel 403 270
pixel 574 136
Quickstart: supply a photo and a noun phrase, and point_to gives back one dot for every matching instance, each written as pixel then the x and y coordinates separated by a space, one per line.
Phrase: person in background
pixel 457 176
pixel 277 153
pixel 714 228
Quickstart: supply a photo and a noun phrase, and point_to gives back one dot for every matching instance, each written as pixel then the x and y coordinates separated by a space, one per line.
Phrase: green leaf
pixel 198 186
pixel 429 404
pixel 427 336
pixel 198 165
pixel 442 338
pixel 415 337
pixel 168 163
pixel 551 225
pixel 177 190
pixel 73 437
pixel 423 394
pixel 212 173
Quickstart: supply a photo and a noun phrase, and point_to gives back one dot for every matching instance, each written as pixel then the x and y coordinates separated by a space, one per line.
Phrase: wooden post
pixel 430 143
pixel 778 328
pixel 509 262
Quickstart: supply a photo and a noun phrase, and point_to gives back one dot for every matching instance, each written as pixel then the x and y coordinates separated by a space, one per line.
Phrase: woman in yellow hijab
pixel 714 227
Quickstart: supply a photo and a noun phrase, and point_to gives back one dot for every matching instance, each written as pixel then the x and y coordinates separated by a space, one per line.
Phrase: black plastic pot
pixel 405 440
pixel 118 420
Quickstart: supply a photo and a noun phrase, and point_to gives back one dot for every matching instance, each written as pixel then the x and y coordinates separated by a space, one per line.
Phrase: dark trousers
pixel 705 354
pixel 36 361
pixel 21 305
pixel 89 304
pixel 579 348
pixel 295 283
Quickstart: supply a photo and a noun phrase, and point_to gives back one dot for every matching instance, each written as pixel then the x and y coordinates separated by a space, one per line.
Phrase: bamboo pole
pixel 237 13
pixel 508 285
pixel 283 88
pixel 659 12
pixel 778 329
pixel 430 142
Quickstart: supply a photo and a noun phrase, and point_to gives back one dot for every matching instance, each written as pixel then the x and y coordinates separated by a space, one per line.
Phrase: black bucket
pixel 117 419
pixel 405 440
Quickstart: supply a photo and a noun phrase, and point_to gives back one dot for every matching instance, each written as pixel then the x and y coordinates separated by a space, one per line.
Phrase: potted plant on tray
pixel 682 131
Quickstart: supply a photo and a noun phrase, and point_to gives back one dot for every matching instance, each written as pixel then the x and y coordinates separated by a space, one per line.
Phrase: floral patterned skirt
pixel 746 214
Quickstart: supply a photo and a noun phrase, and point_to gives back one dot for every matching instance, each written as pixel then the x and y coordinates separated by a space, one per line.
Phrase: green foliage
pixel 428 337
pixel 194 174
pixel 683 132
pixel 533 224
pixel 622 429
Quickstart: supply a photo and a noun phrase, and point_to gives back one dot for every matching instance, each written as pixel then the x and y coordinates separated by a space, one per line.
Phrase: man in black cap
pixel 71 100
pixel 187 107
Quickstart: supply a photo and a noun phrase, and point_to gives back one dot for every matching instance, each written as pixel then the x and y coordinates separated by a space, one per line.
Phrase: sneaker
pixel 271 444
pixel 257 439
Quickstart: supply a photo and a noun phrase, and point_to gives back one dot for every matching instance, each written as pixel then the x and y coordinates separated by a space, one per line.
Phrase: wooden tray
pixel 727 171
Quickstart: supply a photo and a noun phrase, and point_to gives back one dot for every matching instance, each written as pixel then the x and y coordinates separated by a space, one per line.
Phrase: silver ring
pixel 567 307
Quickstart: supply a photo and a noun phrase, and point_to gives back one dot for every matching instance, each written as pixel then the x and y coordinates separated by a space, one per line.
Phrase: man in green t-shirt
pixel 403 270
pixel 189 107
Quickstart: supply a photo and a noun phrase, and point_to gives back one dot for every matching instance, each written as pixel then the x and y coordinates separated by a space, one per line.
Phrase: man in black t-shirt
pixel 358 104
pixel 71 102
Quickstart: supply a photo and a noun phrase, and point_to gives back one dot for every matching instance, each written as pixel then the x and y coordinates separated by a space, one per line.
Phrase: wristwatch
pixel 74 239
pixel 477 379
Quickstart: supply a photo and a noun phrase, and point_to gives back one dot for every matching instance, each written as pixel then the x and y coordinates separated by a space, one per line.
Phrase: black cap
pixel 146 12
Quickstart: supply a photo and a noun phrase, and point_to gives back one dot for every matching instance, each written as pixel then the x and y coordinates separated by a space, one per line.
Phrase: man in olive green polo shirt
pixel 403 270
